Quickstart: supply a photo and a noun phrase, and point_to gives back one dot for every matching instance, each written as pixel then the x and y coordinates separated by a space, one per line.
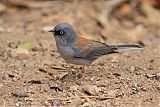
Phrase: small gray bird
pixel 81 51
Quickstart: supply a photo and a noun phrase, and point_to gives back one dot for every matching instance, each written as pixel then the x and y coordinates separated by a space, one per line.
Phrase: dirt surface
pixel 32 73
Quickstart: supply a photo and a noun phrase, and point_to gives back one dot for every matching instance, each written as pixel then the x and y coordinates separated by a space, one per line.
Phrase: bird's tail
pixel 119 47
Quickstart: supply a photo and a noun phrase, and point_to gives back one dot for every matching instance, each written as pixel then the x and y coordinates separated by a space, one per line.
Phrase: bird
pixel 81 51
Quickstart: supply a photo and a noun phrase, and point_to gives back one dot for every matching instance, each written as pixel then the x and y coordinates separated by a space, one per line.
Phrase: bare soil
pixel 40 77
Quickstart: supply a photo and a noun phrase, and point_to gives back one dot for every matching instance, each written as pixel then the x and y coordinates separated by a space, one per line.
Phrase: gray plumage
pixel 79 50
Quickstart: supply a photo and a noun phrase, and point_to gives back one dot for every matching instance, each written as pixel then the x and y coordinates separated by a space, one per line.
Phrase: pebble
pixel 158 87
pixel 29 64
pixel 132 68
pixel 112 93
pixel 76 102
pixel 158 76
pixel 91 89
pixel 17 104
pixel 55 102
pixel 137 88
pixel 20 94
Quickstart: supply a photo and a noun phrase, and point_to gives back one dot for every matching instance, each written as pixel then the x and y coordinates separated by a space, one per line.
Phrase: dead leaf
pixel 27 46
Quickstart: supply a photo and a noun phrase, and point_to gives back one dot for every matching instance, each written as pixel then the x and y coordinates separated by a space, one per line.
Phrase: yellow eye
pixel 61 32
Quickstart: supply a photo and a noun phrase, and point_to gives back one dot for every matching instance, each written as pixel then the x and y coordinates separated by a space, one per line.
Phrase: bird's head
pixel 64 34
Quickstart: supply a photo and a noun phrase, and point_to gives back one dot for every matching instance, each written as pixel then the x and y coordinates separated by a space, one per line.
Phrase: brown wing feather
pixel 90 49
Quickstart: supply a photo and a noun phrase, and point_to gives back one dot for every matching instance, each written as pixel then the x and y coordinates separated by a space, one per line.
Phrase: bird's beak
pixel 52 30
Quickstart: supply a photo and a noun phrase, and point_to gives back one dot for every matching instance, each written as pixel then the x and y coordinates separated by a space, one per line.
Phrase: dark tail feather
pixel 118 47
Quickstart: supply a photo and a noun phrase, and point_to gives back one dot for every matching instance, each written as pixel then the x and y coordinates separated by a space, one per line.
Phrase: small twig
pixel 30 4
pixel 58 68
pixel 97 97
pixel 84 97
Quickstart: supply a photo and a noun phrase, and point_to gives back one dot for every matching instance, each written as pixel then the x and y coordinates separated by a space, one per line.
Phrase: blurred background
pixel 111 21
pixel 26 47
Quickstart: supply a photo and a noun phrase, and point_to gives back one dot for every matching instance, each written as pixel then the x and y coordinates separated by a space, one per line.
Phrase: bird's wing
pixel 89 49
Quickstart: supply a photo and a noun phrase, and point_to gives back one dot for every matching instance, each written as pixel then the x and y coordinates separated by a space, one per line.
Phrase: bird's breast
pixel 65 52
pixel 68 54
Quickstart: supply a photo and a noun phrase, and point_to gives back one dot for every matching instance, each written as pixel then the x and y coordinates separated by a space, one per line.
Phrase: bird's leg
pixel 82 71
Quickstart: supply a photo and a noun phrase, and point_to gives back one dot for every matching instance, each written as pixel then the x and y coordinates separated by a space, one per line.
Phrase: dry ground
pixel 40 77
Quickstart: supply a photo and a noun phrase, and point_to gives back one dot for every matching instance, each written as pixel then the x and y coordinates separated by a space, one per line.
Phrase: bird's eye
pixel 61 32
